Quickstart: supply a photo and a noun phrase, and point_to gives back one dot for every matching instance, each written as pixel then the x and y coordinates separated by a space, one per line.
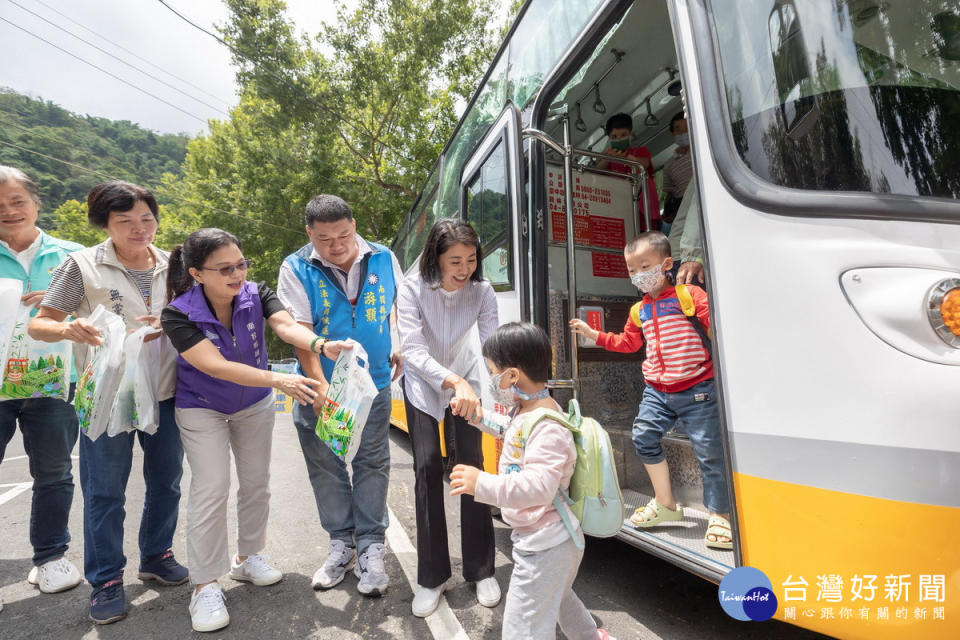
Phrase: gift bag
pixel 349 398
pixel 135 405
pixel 10 292
pixel 31 368
pixel 100 379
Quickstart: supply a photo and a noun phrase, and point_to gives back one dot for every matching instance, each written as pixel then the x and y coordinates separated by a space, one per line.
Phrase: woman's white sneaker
pixel 55 576
pixel 255 569
pixel 208 609
pixel 488 592
pixel 427 600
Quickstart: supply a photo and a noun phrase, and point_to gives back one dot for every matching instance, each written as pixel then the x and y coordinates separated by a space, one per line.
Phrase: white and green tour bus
pixel 825 142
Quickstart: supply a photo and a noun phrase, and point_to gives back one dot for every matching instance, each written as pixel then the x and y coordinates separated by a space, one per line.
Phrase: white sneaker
pixel 340 559
pixel 371 571
pixel 255 569
pixel 55 576
pixel 208 609
pixel 488 592
pixel 427 600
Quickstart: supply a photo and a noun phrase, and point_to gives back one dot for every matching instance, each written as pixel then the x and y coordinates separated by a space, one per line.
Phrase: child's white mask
pixel 648 280
pixel 506 397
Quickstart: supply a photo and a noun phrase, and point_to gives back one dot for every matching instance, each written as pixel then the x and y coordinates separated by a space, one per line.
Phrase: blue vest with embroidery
pixel 367 321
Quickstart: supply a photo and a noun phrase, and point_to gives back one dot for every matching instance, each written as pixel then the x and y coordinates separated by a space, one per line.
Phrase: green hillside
pixel 119 149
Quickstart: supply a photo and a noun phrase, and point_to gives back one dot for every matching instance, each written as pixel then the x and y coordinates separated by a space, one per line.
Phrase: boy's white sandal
pixel 660 514
pixel 718 527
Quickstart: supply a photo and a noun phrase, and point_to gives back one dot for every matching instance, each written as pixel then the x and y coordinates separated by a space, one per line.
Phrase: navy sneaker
pixel 164 569
pixel 107 603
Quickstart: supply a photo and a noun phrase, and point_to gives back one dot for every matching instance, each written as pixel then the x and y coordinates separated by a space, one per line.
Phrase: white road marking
pixel 443 624
pixel 14 492
pixel 11 458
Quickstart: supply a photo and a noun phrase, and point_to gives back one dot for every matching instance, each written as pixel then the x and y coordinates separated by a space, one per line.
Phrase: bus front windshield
pixel 845 95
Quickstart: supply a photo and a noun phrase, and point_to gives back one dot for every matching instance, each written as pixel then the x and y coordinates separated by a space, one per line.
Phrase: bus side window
pixel 488 211
pixel 792 69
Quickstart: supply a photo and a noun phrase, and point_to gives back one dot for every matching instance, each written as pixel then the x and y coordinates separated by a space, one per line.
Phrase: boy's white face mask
pixel 648 280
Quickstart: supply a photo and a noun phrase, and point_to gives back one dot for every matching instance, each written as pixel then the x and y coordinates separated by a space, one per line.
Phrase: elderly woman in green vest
pixel 127 275
pixel 48 425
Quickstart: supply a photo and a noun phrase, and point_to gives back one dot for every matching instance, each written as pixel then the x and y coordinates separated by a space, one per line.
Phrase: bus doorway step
pixel 681 543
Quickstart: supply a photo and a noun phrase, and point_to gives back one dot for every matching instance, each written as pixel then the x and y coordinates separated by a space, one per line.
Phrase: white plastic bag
pixel 10 292
pixel 135 405
pixel 100 380
pixel 31 368
pixel 349 399
pixel 145 387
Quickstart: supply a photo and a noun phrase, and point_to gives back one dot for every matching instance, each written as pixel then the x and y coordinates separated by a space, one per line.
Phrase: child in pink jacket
pixel 545 557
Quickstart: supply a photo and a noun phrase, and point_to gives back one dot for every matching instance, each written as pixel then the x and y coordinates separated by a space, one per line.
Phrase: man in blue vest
pixel 342 286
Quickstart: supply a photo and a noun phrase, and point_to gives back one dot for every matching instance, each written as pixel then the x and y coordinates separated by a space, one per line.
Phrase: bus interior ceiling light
pixel 943 310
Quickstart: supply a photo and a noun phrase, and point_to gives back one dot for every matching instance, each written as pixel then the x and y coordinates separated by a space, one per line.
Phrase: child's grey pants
pixel 541 595
pixel 208 436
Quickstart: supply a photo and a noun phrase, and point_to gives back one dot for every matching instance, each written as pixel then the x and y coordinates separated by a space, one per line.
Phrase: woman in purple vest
pixel 224 401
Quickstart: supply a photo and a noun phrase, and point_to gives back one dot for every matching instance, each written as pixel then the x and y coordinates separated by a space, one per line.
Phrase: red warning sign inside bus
pixel 596 231
pixel 608 265
pixel 594 318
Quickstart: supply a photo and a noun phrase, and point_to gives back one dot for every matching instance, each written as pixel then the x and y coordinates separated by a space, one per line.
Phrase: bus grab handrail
pixel 567 151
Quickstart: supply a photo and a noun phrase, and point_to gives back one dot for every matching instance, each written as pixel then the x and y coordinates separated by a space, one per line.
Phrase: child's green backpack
pixel 594 496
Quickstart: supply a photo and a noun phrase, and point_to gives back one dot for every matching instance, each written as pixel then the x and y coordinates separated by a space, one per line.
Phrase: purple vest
pixel 196 389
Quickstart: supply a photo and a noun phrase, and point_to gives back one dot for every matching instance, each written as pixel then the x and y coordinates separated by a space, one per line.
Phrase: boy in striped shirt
pixel 678 371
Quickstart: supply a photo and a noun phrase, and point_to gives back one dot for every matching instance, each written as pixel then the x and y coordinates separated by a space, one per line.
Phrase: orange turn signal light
pixel 950 311
pixel 943 310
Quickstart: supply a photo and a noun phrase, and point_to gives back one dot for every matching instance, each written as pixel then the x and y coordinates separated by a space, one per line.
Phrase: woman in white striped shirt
pixel 437 310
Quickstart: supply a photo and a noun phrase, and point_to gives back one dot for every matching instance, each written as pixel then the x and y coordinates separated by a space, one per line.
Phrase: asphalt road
pixel 631 593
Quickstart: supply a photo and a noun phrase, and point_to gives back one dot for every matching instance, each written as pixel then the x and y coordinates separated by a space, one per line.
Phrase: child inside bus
pixel 545 556
pixel 678 371
pixel 619 129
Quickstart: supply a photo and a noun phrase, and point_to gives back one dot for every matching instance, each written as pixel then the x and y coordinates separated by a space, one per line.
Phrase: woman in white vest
pixel 127 275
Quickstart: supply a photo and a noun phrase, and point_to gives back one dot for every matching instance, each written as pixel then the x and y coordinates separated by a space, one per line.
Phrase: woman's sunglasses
pixel 229 269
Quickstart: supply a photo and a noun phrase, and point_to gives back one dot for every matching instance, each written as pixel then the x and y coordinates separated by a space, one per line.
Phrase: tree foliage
pixel 112 148
pixel 70 222
pixel 361 110
pixel 377 90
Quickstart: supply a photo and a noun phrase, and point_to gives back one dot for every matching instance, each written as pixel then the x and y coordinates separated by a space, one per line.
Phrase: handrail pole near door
pixel 566 150
pixel 647 215
pixel 571 254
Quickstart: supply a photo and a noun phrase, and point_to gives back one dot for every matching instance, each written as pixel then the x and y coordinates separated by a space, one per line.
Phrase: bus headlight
pixel 943 310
